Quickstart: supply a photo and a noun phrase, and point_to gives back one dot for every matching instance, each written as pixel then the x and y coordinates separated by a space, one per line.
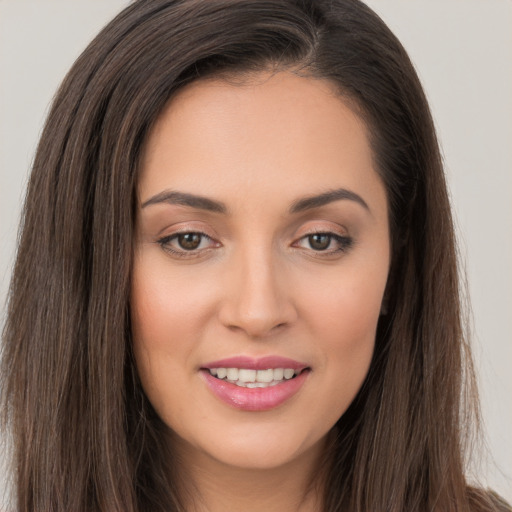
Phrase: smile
pixel 251 384
pixel 248 378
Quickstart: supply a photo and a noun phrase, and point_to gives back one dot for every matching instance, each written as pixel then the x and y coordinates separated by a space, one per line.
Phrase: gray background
pixel 463 53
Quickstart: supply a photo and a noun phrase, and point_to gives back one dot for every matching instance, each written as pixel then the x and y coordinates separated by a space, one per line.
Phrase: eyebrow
pixel 301 205
pixel 308 203
pixel 184 199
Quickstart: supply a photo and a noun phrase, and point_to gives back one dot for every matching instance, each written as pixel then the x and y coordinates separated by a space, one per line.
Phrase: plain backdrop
pixel 462 50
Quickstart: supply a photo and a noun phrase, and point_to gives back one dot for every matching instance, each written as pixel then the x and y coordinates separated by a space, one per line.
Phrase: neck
pixel 216 486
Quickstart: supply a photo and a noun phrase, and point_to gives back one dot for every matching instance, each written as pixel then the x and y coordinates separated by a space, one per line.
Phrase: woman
pixel 172 344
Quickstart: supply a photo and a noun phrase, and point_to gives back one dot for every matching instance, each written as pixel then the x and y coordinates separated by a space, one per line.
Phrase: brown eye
pixel 325 244
pixel 319 241
pixel 189 241
pixel 188 244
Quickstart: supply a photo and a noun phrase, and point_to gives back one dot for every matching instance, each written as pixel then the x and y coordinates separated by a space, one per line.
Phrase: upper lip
pixel 259 363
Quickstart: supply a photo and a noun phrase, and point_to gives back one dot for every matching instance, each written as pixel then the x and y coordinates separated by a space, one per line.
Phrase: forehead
pixel 272 130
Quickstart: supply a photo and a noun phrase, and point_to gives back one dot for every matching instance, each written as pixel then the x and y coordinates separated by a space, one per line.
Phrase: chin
pixel 264 450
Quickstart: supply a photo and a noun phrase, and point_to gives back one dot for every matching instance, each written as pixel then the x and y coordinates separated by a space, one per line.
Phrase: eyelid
pixel 185 226
pixel 165 242
pixel 321 226
pixel 337 233
pixel 344 243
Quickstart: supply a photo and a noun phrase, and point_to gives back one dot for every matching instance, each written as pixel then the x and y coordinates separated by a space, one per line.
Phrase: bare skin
pixel 289 488
pixel 262 232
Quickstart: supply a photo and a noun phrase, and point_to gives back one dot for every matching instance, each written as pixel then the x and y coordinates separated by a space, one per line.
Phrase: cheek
pixel 346 335
pixel 167 308
pixel 164 326
pixel 343 312
pixel 346 306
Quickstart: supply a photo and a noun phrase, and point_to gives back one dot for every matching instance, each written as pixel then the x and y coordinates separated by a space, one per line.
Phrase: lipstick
pixel 251 384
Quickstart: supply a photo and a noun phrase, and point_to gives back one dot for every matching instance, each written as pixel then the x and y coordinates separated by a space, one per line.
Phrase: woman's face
pixel 262 252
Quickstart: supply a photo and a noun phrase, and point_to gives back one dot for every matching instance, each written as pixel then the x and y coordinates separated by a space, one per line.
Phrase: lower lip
pixel 255 399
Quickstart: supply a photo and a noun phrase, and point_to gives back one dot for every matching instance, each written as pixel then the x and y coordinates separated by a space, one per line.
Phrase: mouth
pixel 255 384
pixel 251 378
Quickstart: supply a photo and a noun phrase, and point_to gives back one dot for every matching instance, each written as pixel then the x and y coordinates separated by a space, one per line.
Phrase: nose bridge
pixel 256 300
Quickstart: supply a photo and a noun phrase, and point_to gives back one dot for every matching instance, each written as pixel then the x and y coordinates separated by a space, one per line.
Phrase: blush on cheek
pixel 354 312
pixel 349 332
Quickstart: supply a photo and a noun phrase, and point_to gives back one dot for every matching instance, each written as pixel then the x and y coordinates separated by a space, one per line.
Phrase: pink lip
pixel 254 399
pixel 262 363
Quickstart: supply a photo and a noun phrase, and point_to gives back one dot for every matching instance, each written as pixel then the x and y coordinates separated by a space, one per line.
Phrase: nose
pixel 257 298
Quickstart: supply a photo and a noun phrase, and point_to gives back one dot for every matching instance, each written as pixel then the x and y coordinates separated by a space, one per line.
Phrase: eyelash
pixel 166 241
pixel 344 244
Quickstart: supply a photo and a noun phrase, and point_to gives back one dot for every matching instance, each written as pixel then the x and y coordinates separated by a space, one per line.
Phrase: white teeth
pixel 232 374
pixel 245 377
pixel 288 373
pixel 257 385
pixel 278 374
pixel 265 376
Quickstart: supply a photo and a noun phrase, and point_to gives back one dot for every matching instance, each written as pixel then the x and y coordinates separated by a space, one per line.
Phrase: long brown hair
pixel 84 435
